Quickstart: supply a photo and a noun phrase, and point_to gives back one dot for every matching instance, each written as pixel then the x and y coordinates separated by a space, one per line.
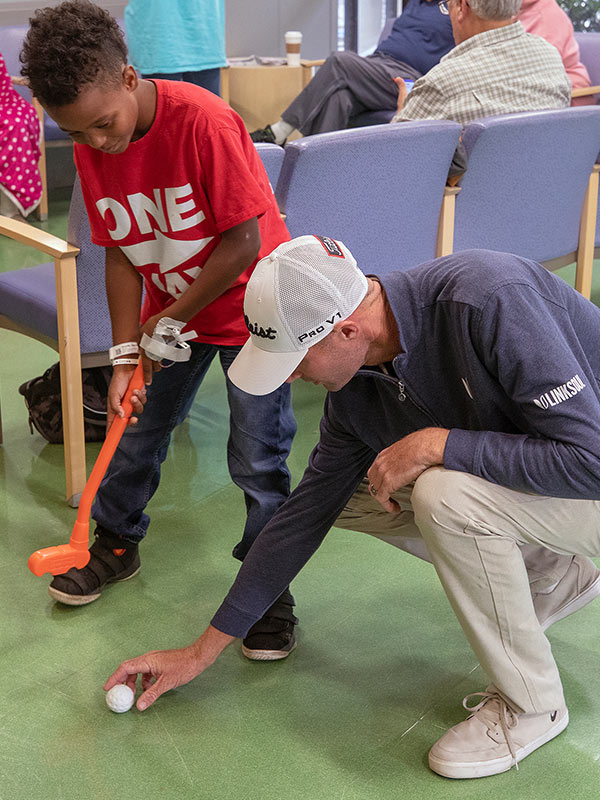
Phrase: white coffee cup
pixel 293 40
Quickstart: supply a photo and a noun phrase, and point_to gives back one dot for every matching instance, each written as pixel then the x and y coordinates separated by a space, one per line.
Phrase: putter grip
pixel 113 437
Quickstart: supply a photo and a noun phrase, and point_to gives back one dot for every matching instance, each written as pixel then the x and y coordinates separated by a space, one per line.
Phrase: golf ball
pixel 120 698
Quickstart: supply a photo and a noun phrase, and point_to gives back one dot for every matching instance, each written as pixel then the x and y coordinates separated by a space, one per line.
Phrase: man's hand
pixel 403 462
pixel 402 93
pixel 162 670
pixel 116 391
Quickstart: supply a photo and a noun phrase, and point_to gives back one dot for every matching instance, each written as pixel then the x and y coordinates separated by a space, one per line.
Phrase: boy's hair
pixel 68 46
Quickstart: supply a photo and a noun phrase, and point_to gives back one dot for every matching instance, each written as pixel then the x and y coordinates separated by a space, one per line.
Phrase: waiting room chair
pixel 531 187
pixel 64 306
pixel 589 53
pixel 271 156
pixel 378 189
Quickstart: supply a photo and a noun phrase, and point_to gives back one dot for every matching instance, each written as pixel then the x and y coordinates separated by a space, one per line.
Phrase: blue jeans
pixel 206 78
pixel 261 430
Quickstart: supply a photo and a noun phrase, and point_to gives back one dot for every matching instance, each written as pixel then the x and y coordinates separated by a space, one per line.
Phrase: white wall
pixel 257 27
pixel 253 26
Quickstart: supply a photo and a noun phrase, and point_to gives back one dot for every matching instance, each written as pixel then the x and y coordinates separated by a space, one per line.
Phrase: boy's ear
pixel 130 78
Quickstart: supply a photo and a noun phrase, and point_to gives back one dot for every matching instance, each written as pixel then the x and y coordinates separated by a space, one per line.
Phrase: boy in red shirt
pixel 178 196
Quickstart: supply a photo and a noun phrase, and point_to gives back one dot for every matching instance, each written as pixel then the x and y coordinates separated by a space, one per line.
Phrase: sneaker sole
pixel 84 599
pixel 482 769
pixel 267 655
pixel 589 594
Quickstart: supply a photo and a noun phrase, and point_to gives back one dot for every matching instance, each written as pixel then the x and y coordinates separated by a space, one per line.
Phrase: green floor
pixel 378 675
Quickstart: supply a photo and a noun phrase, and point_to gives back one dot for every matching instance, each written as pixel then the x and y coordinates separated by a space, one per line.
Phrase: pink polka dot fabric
pixel 19 146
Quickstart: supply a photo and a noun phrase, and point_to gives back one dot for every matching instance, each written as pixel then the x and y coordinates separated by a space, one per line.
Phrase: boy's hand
pixel 148 364
pixel 116 391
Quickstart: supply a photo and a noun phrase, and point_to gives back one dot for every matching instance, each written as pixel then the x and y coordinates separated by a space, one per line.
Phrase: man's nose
pixel 294 376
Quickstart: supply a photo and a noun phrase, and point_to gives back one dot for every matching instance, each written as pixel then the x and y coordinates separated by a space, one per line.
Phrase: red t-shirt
pixel 168 198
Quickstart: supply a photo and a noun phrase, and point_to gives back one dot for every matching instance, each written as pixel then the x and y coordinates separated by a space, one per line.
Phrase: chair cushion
pixel 28 292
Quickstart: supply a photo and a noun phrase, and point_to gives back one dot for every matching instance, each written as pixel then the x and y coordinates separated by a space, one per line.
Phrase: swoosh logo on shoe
pixel 553 716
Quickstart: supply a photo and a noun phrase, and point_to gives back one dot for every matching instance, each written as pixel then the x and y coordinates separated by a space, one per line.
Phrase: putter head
pixel 57 560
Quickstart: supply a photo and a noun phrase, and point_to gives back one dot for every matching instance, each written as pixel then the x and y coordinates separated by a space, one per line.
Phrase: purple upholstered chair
pixel 529 178
pixel 62 304
pixel 379 189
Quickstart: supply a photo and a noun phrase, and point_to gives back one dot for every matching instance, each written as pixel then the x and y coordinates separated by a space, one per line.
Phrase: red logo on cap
pixel 330 246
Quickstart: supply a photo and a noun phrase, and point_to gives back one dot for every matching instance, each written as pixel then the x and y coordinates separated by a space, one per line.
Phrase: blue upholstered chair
pixel 530 187
pixel 379 189
pixel 62 304
pixel 589 52
pixel 271 156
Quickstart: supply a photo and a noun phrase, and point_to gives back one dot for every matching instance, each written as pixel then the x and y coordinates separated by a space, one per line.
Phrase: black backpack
pixel 42 398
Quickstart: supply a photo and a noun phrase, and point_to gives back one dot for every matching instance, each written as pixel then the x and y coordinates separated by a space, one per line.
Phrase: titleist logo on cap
pixel 257 330
pixel 332 248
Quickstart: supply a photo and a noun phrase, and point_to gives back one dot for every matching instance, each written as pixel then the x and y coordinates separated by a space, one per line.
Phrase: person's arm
pixel 337 465
pixel 238 248
pixel 124 295
pixel 402 462
pixel 402 95
pixel 162 670
pixel 425 101
pixel 528 344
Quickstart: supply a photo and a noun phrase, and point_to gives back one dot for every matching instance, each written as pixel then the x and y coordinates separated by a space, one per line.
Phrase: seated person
pixel 20 183
pixel 349 84
pixel 495 68
pixel 546 18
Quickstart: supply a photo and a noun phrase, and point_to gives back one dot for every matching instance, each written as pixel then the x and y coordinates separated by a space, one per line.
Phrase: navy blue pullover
pixel 493 347
pixel 420 36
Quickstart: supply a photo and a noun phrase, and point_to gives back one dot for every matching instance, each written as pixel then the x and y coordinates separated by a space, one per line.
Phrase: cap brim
pixel 260 372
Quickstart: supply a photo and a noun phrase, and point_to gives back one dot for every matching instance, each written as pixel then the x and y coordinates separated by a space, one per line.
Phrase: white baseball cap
pixel 293 299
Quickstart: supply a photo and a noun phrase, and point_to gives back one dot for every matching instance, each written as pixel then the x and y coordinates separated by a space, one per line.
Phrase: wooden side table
pixel 259 94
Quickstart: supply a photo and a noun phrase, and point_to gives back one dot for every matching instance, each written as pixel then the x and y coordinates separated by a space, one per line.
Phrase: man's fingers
pixel 153 693
pixel 390 505
pixel 125 670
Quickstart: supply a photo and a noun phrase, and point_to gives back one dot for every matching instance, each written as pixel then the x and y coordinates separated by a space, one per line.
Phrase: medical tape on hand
pixel 167 341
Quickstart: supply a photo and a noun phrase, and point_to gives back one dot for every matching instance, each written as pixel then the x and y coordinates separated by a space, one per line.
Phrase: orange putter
pixel 62 557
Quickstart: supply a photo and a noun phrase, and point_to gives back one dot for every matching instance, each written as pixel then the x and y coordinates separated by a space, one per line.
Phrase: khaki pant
pixel 492 547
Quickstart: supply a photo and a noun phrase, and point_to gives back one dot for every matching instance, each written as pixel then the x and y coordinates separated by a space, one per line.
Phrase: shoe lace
pixel 508 718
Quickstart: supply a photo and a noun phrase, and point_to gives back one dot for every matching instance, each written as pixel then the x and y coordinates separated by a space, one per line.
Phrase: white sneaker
pixel 579 586
pixel 493 738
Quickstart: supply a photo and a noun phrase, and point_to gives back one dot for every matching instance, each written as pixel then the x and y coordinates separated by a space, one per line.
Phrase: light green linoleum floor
pixel 378 675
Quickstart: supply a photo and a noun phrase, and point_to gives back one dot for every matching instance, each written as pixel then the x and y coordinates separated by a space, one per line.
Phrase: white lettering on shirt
pixel 176 209
pixel 560 393
pixel 143 207
pixel 120 214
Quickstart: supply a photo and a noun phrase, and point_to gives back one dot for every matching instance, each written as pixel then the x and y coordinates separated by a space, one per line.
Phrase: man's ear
pixel 130 78
pixel 347 329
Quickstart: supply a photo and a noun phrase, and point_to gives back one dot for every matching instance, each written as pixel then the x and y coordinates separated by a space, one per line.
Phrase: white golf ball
pixel 120 698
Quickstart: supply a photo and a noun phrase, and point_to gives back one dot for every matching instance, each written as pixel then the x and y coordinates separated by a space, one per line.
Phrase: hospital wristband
pixel 124 349
pixel 118 361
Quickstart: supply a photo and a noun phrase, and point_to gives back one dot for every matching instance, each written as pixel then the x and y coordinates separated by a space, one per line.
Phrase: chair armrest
pixel 585 91
pixel 34 237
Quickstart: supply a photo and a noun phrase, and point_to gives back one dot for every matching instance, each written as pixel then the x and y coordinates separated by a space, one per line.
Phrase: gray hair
pixel 495 9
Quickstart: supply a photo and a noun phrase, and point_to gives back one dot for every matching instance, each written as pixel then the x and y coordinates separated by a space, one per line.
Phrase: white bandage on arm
pixel 167 341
